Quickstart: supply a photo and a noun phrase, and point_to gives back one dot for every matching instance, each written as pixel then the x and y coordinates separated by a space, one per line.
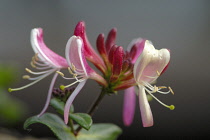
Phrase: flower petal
pixel 117 63
pixel 49 94
pixel 75 55
pixel 150 63
pixel 129 106
pixel 44 53
pixel 71 99
pixel 111 38
pixel 146 113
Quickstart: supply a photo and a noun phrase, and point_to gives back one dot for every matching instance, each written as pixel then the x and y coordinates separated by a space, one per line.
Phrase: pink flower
pixel 80 70
pixel 147 68
pixel 45 60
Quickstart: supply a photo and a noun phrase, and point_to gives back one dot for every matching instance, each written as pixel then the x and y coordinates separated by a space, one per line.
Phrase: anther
pixel 73 67
pixel 60 73
pixel 171 90
pixel 32 64
pixel 28 70
pixel 26 77
pixel 70 71
pixel 36 57
pixel 162 87
pixel 158 73
pixel 155 89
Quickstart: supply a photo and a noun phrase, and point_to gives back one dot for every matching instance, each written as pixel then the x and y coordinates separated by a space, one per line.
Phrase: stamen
pixel 30 84
pixel 171 90
pixel 62 87
pixel 61 74
pixel 26 77
pixel 162 87
pixel 36 73
pixel 43 68
pixel 70 71
pixel 32 64
pixel 171 107
pixel 36 57
pixel 73 67
pixel 158 73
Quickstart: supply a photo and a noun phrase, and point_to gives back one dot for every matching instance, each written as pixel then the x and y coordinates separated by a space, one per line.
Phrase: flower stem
pixel 93 108
pixel 72 126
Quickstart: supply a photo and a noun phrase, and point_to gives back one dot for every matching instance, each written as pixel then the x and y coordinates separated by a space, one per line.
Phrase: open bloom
pixel 44 60
pixel 147 68
pixel 80 70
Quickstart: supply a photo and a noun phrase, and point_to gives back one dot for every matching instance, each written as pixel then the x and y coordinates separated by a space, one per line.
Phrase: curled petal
pixel 75 55
pixel 146 113
pixel 71 99
pixel 129 105
pixel 44 53
pixel 150 63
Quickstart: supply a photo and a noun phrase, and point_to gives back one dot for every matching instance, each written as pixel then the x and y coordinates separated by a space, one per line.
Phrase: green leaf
pixel 84 120
pixel 55 123
pixel 58 105
pixel 100 132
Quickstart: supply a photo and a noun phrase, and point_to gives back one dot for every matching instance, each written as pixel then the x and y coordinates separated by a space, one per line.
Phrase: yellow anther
pixel 36 57
pixel 171 90
pixel 32 64
pixel 158 73
pixel 28 70
pixel 70 71
pixel 73 67
pixel 60 73
pixel 162 87
pixel 26 77
pixel 155 89
pixel 74 75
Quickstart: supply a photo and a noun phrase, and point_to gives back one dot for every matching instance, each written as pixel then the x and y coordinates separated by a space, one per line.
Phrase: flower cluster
pixel 137 66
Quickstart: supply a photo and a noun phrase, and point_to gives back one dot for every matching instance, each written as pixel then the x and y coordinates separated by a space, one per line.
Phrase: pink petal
pixel 90 53
pixel 129 105
pixel 150 62
pixel 111 38
pixel 44 52
pixel 135 48
pixel 146 113
pixel 75 55
pixel 49 94
pixel 71 99
pixel 117 63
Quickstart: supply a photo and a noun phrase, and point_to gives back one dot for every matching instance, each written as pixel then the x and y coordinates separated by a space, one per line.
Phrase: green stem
pixel 93 108
pixel 72 126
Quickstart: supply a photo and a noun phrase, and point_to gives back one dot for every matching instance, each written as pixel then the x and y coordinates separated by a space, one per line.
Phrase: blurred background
pixel 183 26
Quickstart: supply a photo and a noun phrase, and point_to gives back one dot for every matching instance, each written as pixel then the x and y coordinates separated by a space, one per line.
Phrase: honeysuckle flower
pixel 79 68
pixel 147 68
pixel 46 61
